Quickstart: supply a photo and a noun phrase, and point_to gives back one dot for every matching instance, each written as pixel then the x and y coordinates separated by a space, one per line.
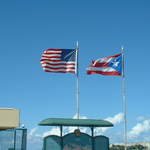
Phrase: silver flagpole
pixel 77 77
pixel 124 99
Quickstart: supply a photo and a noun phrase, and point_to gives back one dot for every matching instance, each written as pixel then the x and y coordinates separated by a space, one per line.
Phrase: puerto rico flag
pixel 59 60
pixel 111 65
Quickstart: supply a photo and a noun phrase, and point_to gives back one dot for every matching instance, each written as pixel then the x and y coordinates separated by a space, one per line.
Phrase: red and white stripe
pixel 100 66
pixel 51 62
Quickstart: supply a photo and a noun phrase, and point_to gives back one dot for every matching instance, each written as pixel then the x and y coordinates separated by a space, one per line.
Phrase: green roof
pixel 75 122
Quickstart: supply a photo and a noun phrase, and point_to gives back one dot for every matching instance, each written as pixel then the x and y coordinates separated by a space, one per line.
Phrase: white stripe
pixel 43 65
pixel 50 51
pixel 108 69
pixel 59 69
pixel 52 62
pixel 103 60
pixel 51 55
pixel 51 58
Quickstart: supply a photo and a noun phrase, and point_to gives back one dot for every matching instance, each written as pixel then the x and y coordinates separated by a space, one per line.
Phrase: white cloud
pixel 139 128
pixel 53 131
pixel 34 139
pixel 117 119
pixel 32 131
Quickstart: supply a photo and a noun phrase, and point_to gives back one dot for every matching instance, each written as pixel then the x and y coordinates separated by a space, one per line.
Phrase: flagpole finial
pixel 77 44
pixel 122 47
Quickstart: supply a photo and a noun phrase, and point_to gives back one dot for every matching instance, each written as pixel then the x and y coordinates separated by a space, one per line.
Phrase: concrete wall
pixel 9 118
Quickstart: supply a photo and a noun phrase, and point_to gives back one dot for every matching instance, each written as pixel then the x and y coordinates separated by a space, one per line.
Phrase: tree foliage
pixel 132 147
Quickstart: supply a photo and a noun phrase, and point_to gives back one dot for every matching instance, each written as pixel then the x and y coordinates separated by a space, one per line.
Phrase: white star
pixel 115 64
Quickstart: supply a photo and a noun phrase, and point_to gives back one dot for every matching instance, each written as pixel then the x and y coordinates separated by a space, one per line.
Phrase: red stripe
pixel 53 49
pixel 58 67
pixel 113 56
pixel 104 73
pixel 48 53
pixel 60 71
pixel 51 60
pixel 51 57
pixel 57 64
pixel 98 64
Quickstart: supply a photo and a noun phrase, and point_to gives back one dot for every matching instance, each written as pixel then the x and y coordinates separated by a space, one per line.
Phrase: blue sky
pixel 101 27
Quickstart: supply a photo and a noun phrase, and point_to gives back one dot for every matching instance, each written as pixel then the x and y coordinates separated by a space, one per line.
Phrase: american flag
pixel 111 65
pixel 59 60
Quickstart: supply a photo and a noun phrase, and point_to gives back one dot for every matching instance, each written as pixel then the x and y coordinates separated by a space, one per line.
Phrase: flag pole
pixel 77 80
pixel 124 99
